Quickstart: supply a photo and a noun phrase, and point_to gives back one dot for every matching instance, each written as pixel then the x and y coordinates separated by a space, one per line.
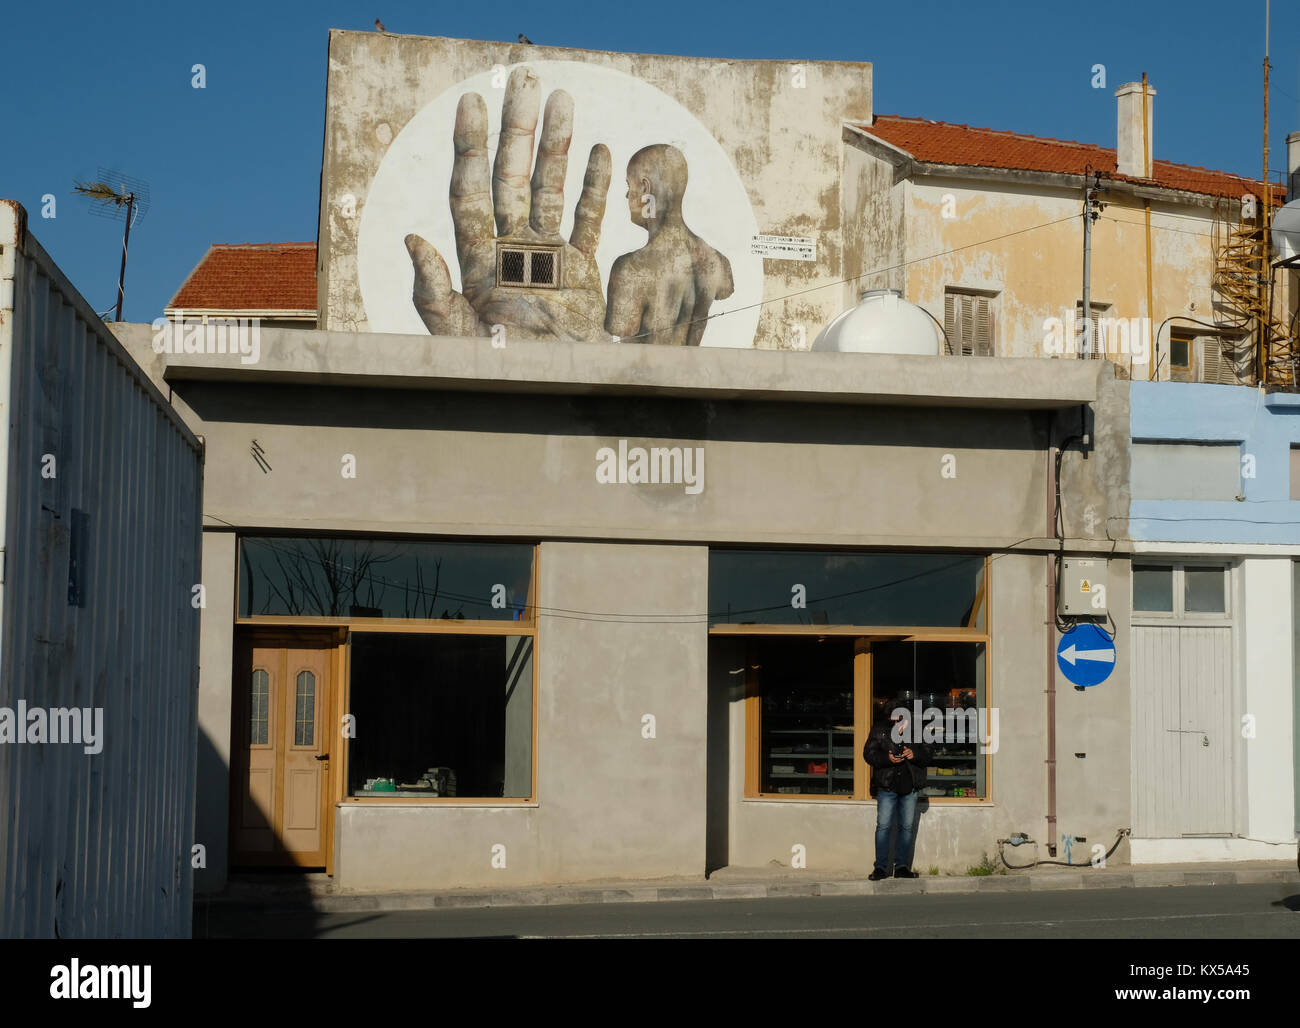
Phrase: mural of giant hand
pixel 508 208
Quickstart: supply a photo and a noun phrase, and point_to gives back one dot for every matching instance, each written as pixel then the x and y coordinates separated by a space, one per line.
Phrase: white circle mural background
pixel 409 191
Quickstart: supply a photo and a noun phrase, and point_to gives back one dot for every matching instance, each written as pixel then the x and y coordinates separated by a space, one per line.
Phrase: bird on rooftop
pixel 525 39
pixel 379 26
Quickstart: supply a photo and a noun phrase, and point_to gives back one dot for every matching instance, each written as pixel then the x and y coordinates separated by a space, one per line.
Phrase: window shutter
pixel 951 341
pixel 983 327
pixel 1214 367
pixel 968 323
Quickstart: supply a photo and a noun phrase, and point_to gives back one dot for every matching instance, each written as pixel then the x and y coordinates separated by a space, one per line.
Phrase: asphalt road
pixel 1186 912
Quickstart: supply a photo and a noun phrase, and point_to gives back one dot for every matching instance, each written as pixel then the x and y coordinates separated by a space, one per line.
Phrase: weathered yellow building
pixel 984 230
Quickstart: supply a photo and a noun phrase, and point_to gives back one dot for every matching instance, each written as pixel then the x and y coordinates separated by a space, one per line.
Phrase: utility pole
pixel 1266 276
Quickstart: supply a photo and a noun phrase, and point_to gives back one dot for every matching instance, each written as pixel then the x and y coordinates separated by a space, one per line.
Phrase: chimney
pixel 1132 153
pixel 1293 166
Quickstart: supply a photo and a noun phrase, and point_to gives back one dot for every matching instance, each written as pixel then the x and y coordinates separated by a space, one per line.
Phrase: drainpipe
pixel 1051 644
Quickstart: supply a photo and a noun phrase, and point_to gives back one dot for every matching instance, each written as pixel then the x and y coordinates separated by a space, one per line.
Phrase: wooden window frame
pixel 954 315
pixel 864 636
pixel 343 629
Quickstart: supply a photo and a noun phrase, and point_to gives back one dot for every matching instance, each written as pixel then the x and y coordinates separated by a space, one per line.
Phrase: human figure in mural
pixel 660 293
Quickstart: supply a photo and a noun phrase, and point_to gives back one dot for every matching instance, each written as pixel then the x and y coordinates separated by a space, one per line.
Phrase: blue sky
pixel 108 84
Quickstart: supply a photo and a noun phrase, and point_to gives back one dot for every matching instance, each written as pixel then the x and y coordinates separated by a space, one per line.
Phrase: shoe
pixel 877 874
pixel 902 872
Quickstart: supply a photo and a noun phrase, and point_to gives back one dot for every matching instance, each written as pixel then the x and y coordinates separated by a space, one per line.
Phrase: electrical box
pixel 1083 587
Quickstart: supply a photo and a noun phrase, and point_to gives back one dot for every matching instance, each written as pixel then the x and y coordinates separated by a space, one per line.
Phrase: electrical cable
pixel 866 274
pixel 1002 843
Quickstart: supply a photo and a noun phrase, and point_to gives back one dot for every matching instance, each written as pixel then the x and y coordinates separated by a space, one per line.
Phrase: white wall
pixel 1269 767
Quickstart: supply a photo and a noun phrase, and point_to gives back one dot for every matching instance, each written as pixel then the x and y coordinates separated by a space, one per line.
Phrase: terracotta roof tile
pixel 938 142
pixel 252 277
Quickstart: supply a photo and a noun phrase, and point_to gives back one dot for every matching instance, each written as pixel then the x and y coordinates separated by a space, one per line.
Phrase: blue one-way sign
pixel 1086 655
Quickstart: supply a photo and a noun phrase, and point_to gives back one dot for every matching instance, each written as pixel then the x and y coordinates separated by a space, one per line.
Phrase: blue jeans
pixel 891 807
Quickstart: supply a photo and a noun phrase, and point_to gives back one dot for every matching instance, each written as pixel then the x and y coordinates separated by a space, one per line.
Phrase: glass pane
pixel 807 716
pixel 828 588
pixel 304 725
pixel 331 577
pixel 1153 588
pixel 445 715
pixel 941 686
pixel 1203 590
pixel 259 706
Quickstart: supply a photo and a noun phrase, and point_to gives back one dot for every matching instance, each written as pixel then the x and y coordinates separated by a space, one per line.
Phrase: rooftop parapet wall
pixel 455 436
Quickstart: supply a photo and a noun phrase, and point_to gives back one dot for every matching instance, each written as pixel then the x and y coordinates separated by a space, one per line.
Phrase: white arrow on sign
pixel 1071 654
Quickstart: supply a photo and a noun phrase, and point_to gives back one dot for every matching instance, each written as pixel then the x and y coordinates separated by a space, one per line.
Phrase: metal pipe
pixel 1050 626
pixel 1146 209
pixel 126 236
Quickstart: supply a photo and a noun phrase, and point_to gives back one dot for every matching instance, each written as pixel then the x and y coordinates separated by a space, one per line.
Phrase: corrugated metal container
pixel 100 521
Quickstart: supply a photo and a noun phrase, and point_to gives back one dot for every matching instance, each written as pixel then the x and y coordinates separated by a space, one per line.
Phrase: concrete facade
pixel 454 438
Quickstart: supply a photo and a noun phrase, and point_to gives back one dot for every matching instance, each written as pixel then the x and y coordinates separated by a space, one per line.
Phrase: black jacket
pixel 899 778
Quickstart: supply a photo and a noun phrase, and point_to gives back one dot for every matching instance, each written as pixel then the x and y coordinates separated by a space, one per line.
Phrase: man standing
pixel 897 777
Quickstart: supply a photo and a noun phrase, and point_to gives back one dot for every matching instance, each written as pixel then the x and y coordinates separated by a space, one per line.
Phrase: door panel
pixel 280 773
pixel 1157 793
pixel 1207 728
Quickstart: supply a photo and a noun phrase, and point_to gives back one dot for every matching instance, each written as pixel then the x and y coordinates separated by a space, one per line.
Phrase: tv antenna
pixel 115 195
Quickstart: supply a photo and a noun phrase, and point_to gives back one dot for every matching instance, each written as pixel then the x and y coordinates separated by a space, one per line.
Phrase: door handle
pixel 323 756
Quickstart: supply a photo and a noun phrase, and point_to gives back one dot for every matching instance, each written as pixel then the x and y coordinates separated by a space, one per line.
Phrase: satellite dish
pixel 1286 232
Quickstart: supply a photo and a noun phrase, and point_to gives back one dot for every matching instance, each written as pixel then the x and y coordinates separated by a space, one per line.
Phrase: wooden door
pixel 280 752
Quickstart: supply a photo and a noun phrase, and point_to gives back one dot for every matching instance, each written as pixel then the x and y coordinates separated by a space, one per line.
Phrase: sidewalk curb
pixel 630 893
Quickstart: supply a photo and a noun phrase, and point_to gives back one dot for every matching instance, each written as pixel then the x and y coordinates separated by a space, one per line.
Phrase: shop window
pixel 816 699
pixel 942 686
pixel 753 587
pixel 441 715
pixel 352 578
pixel 807 735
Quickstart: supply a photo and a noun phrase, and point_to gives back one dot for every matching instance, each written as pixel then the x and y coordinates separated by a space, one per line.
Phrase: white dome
pixel 882 323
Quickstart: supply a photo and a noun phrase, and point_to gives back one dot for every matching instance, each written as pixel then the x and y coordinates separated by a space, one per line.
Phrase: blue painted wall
pixel 1264 426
